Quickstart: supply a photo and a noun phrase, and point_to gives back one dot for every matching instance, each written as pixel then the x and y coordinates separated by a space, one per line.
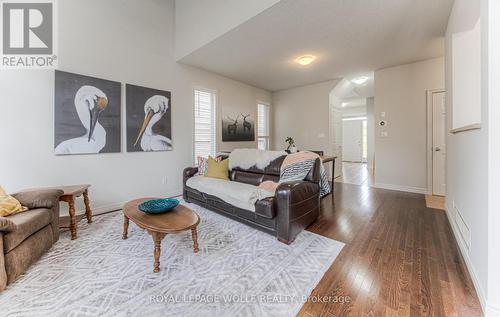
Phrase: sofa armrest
pixel 187 174
pixel 6 225
pixel 43 198
pixel 297 207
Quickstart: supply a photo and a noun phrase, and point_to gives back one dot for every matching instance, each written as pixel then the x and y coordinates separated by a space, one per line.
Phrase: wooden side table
pixel 326 159
pixel 69 195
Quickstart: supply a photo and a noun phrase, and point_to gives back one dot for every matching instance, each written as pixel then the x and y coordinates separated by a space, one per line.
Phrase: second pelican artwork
pixel 149 119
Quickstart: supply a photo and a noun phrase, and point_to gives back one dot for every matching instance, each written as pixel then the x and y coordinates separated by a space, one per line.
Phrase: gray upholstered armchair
pixel 26 236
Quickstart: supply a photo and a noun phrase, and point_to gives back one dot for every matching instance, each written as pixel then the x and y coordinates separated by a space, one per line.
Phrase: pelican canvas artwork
pixel 149 119
pixel 87 115
pixel 237 127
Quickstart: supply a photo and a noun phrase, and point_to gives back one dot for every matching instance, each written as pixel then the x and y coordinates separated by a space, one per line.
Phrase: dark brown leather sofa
pixel 294 207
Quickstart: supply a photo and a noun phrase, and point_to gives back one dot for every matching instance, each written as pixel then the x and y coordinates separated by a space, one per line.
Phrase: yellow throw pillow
pixel 217 169
pixel 9 205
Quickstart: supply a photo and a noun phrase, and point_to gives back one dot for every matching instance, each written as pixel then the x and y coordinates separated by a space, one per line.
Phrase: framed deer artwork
pixel 238 127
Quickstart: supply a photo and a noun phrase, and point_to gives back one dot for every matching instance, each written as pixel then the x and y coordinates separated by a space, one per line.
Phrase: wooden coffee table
pixel 158 226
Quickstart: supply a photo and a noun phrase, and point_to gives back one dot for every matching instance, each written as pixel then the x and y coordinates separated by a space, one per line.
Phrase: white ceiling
pixel 349 38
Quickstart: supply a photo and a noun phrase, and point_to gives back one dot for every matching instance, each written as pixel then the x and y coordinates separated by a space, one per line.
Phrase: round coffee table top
pixel 179 219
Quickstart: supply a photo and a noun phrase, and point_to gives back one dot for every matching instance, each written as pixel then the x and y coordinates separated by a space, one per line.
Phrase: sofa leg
pixel 284 241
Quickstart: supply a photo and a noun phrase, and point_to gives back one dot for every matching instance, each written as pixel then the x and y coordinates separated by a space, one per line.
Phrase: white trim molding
pixel 417 190
pixel 430 149
pixel 468 263
pixel 469 127
pixel 112 207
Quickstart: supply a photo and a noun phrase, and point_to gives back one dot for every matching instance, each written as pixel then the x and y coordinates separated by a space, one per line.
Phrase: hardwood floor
pixel 400 257
pixel 355 173
pixel 436 202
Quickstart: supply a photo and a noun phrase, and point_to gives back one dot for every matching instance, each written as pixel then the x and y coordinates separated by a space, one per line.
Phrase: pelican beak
pixel 145 123
pixel 94 115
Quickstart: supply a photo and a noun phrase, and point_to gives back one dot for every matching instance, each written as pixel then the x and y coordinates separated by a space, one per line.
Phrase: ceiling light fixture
pixel 360 80
pixel 305 60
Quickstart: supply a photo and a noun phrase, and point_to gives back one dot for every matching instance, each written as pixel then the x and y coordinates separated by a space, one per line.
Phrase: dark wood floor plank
pixel 400 258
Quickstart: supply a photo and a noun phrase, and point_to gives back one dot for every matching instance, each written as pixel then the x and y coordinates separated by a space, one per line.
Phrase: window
pixel 263 126
pixel 204 123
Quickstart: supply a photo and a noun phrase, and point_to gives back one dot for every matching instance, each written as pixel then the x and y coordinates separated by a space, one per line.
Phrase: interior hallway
pixel 400 257
pixel 355 173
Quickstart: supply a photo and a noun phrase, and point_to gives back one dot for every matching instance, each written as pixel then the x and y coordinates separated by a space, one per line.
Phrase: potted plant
pixel 291 145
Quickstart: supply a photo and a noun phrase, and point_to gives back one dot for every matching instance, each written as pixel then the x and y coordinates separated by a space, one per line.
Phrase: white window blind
pixel 263 126
pixel 204 123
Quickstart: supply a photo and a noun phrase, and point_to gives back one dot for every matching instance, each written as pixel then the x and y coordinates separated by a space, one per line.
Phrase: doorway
pixel 436 139
pixel 354 139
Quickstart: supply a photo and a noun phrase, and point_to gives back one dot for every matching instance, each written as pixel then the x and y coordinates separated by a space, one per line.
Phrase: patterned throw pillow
pixel 9 205
pixel 203 164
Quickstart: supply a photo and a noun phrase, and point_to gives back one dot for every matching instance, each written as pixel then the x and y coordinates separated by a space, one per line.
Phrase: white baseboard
pixel 114 206
pixel 409 189
pixel 107 208
pixel 468 263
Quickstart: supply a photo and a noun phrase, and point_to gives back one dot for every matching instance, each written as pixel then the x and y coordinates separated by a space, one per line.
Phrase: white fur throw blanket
pixel 246 158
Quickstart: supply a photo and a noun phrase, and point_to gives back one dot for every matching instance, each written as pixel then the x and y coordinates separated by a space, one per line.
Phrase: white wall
pixel 370 125
pixel 302 113
pixel 199 22
pixel 400 92
pixel 128 41
pixel 467 161
pixel 473 156
pixel 491 23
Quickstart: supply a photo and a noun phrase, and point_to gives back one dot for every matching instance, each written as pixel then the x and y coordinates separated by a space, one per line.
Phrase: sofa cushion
pixel 27 223
pixel 247 177
pixel 241 195
pixel 266 208
pixel 39 198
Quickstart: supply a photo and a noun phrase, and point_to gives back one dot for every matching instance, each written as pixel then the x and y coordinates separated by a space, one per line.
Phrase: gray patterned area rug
pixel 239 271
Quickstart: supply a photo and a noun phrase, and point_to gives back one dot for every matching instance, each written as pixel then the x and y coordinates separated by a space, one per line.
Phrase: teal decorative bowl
pixel 158 206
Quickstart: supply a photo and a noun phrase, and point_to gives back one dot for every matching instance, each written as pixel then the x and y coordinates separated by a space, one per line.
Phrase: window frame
pixel 214 100
pixel 268 119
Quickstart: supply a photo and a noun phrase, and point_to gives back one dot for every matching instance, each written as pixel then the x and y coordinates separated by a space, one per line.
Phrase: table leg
pixel 194 234
pixel 333 174
pixel 72 217
pixel 88 211
pixel 157 237
pixel 125 227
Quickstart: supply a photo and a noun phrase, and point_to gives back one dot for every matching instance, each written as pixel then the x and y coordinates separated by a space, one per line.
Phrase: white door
pixel 352 140
pixel 438 144
pixel 336 114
